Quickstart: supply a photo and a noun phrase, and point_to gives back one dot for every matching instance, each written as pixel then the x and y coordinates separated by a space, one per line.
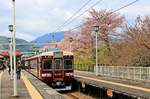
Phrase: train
pixel 53 67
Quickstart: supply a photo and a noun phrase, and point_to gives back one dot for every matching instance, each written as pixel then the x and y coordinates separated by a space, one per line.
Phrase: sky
pixel 35 18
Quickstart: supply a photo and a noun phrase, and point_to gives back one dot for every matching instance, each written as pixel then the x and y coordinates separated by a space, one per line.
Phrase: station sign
pixel 58 54
pixel 109 93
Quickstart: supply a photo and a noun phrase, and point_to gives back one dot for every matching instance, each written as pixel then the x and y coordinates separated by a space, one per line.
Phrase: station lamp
pixel 10 27
pixel 96 28
pixel 70 39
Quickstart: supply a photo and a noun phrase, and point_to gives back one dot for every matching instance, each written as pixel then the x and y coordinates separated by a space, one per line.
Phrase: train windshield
pixel 68 64
pixel 58 63
pixel 47 64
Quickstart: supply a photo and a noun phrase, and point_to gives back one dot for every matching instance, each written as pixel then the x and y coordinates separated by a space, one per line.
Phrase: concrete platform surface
pixel 6 88
pixel 29 87
pixel 134 88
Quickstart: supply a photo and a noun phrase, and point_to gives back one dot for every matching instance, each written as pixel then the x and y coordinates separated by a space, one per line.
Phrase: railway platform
pixel 6 88
pixel 29 87
pixel 129 87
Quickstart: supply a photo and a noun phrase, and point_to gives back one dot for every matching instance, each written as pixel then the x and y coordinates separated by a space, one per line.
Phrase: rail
pixel 123 72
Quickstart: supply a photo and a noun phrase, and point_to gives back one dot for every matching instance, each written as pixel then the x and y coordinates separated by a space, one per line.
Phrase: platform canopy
pixel 6 53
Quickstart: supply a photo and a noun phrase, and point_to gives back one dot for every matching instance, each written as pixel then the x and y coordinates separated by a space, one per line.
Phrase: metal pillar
pixel 96 71
pixel 70 47
pixel 14 50
pixel 11 61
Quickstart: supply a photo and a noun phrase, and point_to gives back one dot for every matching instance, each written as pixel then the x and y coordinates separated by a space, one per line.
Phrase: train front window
pixel 58 64
pixel 67 64
pixel 47 64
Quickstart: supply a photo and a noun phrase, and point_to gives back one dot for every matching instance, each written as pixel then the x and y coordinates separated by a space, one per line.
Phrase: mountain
pixel 48 38
pixel 25 47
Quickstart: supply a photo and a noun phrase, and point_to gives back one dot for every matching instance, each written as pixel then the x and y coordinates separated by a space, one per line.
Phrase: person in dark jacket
pixel 4 67
pixel 18 71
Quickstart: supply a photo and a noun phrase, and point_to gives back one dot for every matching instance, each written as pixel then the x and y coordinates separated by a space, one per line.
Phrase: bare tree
pixel 136 43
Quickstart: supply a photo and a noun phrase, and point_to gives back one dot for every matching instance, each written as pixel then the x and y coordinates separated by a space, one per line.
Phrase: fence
pixel 123 72
pixel 84 67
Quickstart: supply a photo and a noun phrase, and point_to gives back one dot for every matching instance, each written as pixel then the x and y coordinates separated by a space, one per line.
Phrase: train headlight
pixel 46 75
pixel 69 74
pixel 43 75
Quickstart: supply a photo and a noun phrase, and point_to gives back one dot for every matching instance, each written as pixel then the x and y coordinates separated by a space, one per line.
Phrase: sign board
pixel 109 93
pixel 58 54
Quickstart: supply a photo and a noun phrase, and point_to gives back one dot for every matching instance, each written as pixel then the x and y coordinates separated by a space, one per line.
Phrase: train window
pixel 68 64
pixel 47 64
pixel 58 64
pixel 34 64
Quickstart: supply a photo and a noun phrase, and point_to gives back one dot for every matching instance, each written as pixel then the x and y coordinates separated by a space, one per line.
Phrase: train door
pixel 58 69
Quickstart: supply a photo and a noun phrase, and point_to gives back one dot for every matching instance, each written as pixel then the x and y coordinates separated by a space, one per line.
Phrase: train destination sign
pixel 58 54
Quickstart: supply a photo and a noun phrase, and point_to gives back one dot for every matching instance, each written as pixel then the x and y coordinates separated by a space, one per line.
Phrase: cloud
pixel 24 36
pixel 37 17
pixel 136 10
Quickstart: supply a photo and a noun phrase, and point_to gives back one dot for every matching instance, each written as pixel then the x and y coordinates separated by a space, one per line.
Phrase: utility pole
pixel 96 30
pixel 14 50
pixel 11 49
pixel 10 53
pixel 11 57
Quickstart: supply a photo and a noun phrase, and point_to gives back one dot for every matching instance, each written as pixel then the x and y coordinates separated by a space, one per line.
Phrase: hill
pixel 23 48
pixel 49 38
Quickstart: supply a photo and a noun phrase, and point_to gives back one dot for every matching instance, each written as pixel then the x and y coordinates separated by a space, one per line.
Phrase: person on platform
pixel 18 71
pixel 8 69
pixel 3 65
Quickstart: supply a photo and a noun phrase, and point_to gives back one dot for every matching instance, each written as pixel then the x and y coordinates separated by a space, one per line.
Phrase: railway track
pixel 76 95
pixel 71 96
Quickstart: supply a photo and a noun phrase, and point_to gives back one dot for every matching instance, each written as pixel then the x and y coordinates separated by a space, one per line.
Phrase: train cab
pixel 53 67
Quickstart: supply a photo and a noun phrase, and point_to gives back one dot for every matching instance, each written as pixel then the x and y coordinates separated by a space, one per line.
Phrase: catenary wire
pixel 129 4
pixel 74 14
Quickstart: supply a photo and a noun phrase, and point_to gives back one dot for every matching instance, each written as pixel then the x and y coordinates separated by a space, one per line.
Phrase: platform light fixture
pixel 96 28
pixel 10 27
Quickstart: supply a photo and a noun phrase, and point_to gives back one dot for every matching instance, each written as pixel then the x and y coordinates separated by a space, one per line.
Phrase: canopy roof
pixel 6 53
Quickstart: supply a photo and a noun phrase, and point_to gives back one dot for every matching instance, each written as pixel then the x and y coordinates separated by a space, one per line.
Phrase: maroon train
pixel 53 67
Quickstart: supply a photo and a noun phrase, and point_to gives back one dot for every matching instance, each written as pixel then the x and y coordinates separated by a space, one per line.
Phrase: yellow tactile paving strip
pixel 117 84
pixel 32 90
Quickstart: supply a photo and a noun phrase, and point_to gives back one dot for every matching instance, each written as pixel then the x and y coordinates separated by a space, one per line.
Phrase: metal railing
pixel 123 72
pixel 85 67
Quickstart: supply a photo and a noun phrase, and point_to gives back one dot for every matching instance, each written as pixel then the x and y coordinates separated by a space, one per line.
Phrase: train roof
pixel 50 53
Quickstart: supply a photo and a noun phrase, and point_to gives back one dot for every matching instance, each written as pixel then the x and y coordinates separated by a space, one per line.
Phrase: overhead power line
pixel 125 6
pixel 74 18
pixel 74 14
